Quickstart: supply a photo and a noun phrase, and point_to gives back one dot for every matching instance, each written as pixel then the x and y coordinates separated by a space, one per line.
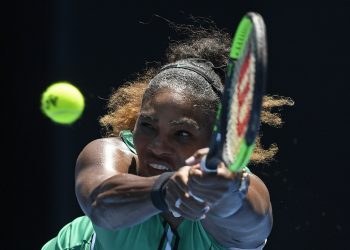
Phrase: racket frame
pixel 252 24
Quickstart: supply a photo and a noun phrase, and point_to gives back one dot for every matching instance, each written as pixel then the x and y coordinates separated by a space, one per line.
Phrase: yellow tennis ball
pixel 63 103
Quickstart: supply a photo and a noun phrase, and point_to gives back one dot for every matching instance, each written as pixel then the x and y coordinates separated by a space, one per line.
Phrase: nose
pixel 160 146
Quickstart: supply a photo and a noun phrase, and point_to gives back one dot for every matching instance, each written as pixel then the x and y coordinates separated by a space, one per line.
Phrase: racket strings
pixel 240 104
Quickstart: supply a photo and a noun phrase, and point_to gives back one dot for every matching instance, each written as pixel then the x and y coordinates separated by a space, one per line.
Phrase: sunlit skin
pixel 167 132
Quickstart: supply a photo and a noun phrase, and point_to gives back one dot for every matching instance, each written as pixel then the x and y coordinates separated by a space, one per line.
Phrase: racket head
pixel 238 115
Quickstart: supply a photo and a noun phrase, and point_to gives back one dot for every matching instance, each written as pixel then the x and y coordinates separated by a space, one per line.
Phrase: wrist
pixel 234 199
pixel 158 191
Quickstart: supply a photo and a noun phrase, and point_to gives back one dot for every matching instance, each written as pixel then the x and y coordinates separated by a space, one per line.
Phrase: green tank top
pixel 153 234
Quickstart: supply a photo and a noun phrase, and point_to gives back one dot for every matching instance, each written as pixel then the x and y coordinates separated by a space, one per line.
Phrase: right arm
pixel 110 196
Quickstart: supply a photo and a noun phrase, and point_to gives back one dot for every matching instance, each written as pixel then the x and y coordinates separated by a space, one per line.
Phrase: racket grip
pixel 209 168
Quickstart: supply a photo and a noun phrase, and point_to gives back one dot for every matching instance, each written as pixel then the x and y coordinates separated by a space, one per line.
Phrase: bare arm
pixel 106 192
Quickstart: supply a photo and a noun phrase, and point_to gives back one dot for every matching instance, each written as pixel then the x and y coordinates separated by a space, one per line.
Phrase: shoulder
pixel 104 146
pixel 109 142
pixel 107 152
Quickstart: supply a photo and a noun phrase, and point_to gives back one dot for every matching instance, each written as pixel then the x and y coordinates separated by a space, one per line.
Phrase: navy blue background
pixel 97 45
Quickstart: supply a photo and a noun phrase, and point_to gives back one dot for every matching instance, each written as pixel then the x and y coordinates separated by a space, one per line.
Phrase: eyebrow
pixel 179 122
pixel 185 121
pixel 149 117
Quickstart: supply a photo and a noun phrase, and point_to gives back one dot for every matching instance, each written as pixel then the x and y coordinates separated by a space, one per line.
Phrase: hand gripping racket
pixel 238 115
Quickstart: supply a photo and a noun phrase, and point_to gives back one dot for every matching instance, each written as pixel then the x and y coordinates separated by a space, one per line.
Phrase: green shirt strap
pixel 127 137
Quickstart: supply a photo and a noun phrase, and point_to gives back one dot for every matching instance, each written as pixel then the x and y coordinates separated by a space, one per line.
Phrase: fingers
pixel 197 156
pixel 191 191
pixel 212 187
pixel 178 199
pixel 188 207
pixel 197 175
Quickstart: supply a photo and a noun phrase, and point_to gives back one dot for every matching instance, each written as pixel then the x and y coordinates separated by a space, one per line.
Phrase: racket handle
pixel 210 166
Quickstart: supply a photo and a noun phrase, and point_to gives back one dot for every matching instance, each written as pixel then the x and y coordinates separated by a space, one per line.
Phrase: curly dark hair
pixel 205 49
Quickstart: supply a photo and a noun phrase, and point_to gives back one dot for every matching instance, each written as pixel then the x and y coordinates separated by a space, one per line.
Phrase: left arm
pixel 235 219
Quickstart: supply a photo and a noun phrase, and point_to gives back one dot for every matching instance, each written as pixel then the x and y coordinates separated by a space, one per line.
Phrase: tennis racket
pixel 238 115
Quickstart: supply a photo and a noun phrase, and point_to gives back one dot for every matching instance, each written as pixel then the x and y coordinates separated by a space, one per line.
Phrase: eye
pixel 183 134
pixel 146 125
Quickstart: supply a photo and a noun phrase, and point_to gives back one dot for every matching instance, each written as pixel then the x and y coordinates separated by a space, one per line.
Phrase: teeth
pixel 159 166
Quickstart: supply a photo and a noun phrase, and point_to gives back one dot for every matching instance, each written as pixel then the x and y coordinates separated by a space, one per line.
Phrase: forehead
pixel 175 107
pixel 166 99
pixel 166 103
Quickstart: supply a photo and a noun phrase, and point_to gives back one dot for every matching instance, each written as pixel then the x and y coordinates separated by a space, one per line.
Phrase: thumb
pixel 197 156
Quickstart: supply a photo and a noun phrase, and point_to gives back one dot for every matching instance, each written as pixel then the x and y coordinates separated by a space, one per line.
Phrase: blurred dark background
pixel 97 45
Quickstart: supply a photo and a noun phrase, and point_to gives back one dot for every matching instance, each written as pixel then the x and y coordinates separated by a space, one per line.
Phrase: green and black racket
pixel 238 116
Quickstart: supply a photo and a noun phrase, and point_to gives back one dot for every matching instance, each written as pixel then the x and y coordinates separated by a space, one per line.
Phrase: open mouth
pixel 159 166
